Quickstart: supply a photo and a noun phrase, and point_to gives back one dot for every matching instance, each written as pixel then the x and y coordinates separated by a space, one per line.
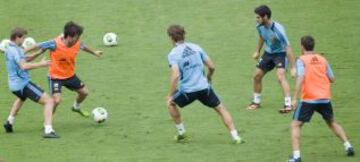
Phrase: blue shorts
pixel 305 111
pixel 206 96
pixel 31 91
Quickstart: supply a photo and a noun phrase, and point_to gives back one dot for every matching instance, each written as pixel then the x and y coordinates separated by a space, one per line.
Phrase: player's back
pixel 190 59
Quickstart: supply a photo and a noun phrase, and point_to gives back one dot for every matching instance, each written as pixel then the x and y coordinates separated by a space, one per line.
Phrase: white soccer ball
pixel 28 42
pixel 110 39
pixel 4 44
pixel 99 114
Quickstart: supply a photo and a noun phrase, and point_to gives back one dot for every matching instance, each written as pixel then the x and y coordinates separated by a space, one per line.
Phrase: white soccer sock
pixel 257 98
pixel 76 105
pixel 296 154
pixel 347 145
pixel 180 128
pixel 287 101
pixel 234 134
pixel 11 119
pixel 48 129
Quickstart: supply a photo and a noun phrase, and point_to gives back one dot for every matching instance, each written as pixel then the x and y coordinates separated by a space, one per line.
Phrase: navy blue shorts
pixel 305 111
pixel 207 97
pixel 270 61
pixel 72 83
pixel 31 91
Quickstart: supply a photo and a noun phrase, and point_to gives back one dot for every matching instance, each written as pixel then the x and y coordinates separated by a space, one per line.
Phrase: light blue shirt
pixel 190 59
pixel 17 77
pixel 274 37
pixel 300 71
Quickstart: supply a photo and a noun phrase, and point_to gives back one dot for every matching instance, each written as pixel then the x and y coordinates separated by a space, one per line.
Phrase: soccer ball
pixel 4 44
pixel 99 114
pixel 110 39
pixel 28 42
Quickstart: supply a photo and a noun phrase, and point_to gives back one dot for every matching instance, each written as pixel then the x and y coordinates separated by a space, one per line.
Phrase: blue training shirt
pixel 190 59
pixel 17 77
pixel 274 37
pixel 300 71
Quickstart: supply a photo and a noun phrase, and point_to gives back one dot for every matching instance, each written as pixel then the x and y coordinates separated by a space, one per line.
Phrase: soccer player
pixel 20 84
pixel 313 80
pixel 189 83
pixel 277 49
pixel 63 52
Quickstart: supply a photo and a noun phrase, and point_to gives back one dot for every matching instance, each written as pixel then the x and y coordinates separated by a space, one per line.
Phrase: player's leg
pixel 8 125
pixel 55 86
pixel 302 114
pixel 57 100
pixel 264 65
pixel 209 98
pixel 295 140
pixel 325 109
pixel 228 121
pixel 280 64
pixel 180 99
pixel 48 104
pixel 38 95
pixel 75 84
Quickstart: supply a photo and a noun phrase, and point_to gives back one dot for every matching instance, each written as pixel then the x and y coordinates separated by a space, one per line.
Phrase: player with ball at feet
pixel 63 52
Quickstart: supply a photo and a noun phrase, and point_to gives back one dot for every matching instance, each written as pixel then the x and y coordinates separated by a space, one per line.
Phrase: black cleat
pixel 50 135
pixel 8 127
pixel 350 152
pixel 294 160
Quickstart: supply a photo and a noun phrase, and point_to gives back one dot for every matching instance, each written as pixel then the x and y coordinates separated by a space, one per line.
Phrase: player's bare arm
pixel 260 44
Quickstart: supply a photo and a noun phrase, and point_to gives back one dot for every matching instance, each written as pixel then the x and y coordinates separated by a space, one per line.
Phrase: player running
pixel 63 52
pixel 18 66
pixel 189 83
pixel 313 80
pixel 277 49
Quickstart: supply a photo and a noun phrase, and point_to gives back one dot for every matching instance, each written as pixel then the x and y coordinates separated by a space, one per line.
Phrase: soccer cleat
pixel 8 127
pixel 294 159
pixel 50 135
pixel 81 112
pixel 253 106
pixel 350 152
pixel 181 138
pixel 239 141
pixel 286 109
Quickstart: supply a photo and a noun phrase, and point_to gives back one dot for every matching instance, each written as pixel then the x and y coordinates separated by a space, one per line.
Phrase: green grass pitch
pixel 131 81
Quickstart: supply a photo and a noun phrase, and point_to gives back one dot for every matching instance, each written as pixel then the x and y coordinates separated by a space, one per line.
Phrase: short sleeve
pixel 300 68
pixel 51 45
pixel 172 60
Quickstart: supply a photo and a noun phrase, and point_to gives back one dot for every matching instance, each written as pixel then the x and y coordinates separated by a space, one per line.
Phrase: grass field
pixel 131 81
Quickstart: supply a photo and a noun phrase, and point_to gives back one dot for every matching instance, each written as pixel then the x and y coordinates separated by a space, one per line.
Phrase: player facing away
pixel 189 83
pixel 277 49
pixel 20 84
pixel 63 52
pixel 313 79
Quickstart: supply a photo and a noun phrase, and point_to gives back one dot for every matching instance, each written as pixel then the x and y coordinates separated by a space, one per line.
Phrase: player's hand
pixel 209 79
pixel 256 55
pixel 293 72
pixel 98 53
pixel 294 103
pixel 44 62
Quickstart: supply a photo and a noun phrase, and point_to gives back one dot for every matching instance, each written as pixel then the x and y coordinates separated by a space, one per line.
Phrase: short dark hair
pixel 308 42
pixel 263 10
pixel 72 29
pixel 176 32
pixel 17 32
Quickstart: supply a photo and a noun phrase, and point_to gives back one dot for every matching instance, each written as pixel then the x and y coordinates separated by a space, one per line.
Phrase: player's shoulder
pixel 277 25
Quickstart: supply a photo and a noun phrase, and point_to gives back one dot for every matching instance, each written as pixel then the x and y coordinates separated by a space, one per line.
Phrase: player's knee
pixel 257 77
pixel 295 124
pixel 84 92
pixel 57 100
